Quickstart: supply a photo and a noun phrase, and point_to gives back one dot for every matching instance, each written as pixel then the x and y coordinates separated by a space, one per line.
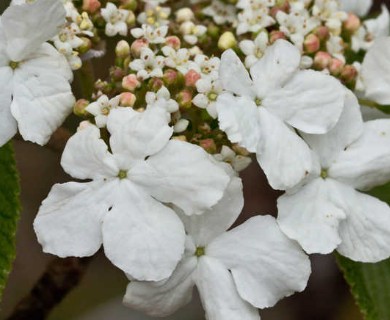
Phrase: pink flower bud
pixel 321 60
pixel 170 77
pixel 352 23
pixel 91 6
pixel 155 84
pixel 173 42
pixel 127 99
pixel 79 107
pixel 184 98
pixel 336 66
pixel 191 78
pixel 349 74
pixel 208 145
pixel 130 82
pixel 311 43
pixel 322 33
pixel 137 46
pixel 276 35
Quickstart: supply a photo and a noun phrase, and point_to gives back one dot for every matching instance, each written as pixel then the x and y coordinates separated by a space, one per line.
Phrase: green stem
pixel 369 103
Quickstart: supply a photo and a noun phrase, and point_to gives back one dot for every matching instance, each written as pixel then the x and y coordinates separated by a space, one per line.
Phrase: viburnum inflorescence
pixel 194 91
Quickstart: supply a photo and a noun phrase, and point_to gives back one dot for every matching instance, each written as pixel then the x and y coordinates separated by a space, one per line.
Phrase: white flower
pixel 220 12
pixel 375 72
pixel 153 35
pixel 178 59
pixel 121 207
pixel 251 266
pixel 148 65
pixel 191 32
pixel 254 50
pixel 101 109
pixel 35 94
pixel 359 7
pixel 162 98
pixel 335 46
pixel 154 15
pixel 258 112
pixel 237 161
pixel 327 213
pixel 254 20
pixel 115 20
pixel 206 66
pixel 208 93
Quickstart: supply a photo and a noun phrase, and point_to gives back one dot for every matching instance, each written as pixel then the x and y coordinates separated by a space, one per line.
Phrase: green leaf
pixel 9 212
pixel 370 282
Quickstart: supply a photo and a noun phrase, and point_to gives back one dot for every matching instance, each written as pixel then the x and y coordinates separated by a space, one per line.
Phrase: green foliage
pixel 9 211
pixel 370 282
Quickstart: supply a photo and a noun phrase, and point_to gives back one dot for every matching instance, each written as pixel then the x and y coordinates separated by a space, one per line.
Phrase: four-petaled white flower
pixel 115 20
pixel 121 207
pixel 259 112
pixel 251 266
pixel 208 93
pixel 101 109
pixel 149 65
pixel 327 212
pixel 35 94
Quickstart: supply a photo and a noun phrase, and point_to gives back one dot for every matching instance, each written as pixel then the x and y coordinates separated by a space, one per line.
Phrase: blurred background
pixel 100 293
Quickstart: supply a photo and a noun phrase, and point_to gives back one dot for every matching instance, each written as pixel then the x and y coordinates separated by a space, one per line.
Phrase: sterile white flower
pixel 258 112
pixel 327 212
pixel 35 94
pixel 251 266
pixel 121 207
pixel 375 71
pixel 360 7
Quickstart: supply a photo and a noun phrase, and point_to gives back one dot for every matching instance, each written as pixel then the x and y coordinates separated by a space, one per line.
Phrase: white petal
pixel 69 220
pixel 27 26
pixel 375 71
pixel 365 233
pixel 205 227
pixel 41 102
pixel 380 26
pixel 238 117
pixel 161 299
pixel 283 155
pixel 141 236
pixel 184 175
pixel 218 293
pixel 312 215
pixel 366 162
pixel 265 264
pixel 233 75
pixel 8 126
pixel 138 135
pixel 279 62
pixel 360 7
pixel 310 101
pixel 86 156
pixel 347 130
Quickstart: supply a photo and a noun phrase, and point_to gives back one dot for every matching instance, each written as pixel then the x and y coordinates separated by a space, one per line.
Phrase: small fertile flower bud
pixel 352 23
pixel 276 35
pixel 170 77
pixel 127 99
pixel 129 4
pixel 79 107
pixel 116 73
pixel 184 98
pixel 322 33
pixel 180 138
pixel 85 23
pixel 348 74
pixel 184 14
pixel 137 46
pixel 130 21
pixel 130 82
pixel 86 45
pixel 155 84
pixel 227 41
pixel 208 145
pixel 122 49
pixel 311 43
pixel 191 78
pixel 322 60
pixel 173 42
pixel 181 125
pixel 91 6
pixel 336 66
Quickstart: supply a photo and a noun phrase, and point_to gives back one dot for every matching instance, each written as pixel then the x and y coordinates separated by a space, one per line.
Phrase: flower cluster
pixel 193 93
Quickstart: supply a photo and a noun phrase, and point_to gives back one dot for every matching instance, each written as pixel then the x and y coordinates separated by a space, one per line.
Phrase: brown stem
pixel 60 277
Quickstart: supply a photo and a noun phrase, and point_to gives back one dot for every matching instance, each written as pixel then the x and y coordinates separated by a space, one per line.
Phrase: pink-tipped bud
pixel 311 43
pixel 79 107
pixel 191 78
pixel 276 35
pixel 336 66
pixel 170 77
pixel 155 84
pixel 91 6
pixel 322 33
pixel 137 46
pixel 208 145
pixel 184 98
pixel 116 73
pixel 322 60
pixel 349 74
pixel 352 23
pixel 127 99
pixel 173 41
pixel 130 82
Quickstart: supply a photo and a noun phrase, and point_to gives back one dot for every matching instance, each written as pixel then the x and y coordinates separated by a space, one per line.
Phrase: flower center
pixel 258 102
pixel 122 174
pixel 324 173
pixel 200 251
pixel 13 64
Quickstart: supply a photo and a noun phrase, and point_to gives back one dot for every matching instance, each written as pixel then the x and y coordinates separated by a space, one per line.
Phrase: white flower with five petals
pixel 259 112
pixel 121 207
pixel 251 266
pixel 35 94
